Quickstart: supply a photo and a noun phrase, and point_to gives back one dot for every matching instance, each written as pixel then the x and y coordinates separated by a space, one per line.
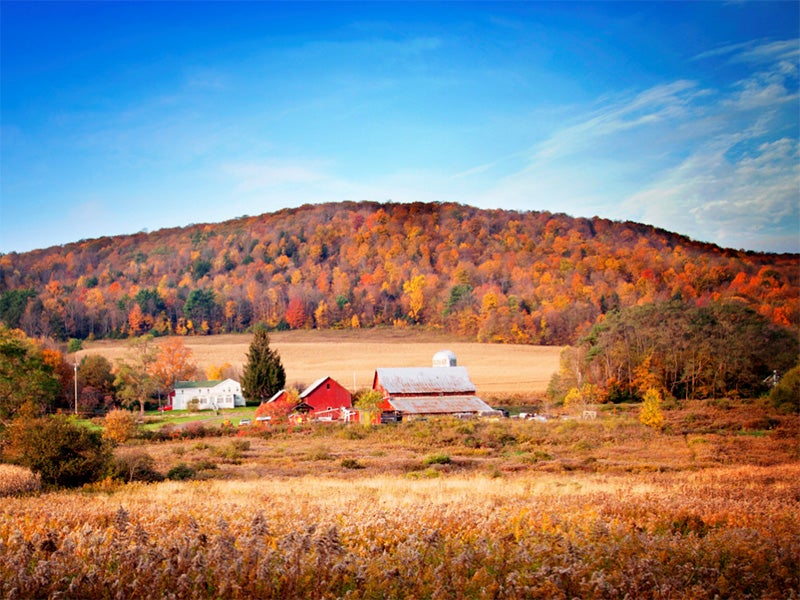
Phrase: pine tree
pixel 263 371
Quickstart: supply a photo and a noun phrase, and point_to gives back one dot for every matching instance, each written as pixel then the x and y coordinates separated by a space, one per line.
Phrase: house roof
pixel 313 386
pixel 425 380
pixel 427 405
pixel 197 384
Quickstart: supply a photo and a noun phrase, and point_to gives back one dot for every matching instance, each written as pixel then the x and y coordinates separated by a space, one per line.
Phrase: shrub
pixel 120 426
pixel 16 481
pixel 786 395
pixel 181 472
pixel 63 453
pixel 437 459
pixel 136 466
pixel 351 463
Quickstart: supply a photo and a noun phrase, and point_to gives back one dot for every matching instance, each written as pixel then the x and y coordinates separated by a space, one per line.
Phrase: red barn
pixel 327 398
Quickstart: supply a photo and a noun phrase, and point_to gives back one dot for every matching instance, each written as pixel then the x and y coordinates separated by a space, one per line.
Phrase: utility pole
pixel 76 386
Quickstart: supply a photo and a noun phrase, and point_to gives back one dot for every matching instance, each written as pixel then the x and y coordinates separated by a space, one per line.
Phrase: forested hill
pixel 494 275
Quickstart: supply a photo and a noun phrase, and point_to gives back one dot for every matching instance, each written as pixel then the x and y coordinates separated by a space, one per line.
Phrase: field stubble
pixel 352 356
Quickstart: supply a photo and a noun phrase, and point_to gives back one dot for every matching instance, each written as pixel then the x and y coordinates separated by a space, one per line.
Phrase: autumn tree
pixel 217 372
pixel 25 375
pixel 650 414
pixel 263 372
pixel 296 313
pixel 119 426
pixel 134 382
pixel 95 383
pixel 414 289
pixel 369 403
pixel 173 363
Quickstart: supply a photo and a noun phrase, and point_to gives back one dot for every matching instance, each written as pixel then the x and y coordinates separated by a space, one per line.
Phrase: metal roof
pixel 425 380
pixel 427 405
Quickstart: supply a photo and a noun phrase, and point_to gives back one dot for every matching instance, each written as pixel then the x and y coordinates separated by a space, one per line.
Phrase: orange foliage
pixel 545 277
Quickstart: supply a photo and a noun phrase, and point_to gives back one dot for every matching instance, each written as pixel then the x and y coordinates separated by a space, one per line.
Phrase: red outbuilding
pixel 327 398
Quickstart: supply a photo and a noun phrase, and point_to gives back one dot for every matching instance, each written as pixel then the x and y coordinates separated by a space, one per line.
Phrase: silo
pixel 444 358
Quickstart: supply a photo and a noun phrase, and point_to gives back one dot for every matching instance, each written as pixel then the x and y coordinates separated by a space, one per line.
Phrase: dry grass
pixel 729 532
pixel 352 357
pixel 17 481
pixel 441 509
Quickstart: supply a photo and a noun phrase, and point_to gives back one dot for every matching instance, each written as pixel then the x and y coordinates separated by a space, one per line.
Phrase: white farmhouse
pixel 209 394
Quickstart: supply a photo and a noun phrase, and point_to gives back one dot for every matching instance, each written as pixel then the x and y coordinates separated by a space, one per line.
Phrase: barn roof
pixel 313 386
pixel 425 380
pixel 276 395
pixel 428 405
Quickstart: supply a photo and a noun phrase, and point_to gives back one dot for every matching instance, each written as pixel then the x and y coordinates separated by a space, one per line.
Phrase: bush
pixel 62 453
pixel 181 472
pixel 786 395
pixel 136 466
pixel 437 459
pixel 120 426
pixel 351 463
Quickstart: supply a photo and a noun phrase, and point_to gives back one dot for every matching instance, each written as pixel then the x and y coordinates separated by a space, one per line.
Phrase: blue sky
pixel 118 117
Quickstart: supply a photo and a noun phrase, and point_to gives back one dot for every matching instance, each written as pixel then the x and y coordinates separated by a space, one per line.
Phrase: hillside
pixel 488 275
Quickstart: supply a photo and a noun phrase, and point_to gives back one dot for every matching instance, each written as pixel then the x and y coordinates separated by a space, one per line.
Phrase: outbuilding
pixel 326 398
pixel 414 392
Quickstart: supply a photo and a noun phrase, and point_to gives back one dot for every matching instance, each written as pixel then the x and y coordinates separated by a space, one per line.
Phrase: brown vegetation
pixel 441 509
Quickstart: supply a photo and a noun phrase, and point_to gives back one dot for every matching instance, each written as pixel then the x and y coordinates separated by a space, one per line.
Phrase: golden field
pixel 707 508
pixel 353 355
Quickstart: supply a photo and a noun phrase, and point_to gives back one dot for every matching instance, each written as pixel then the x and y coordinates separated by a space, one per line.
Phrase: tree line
pixel 684 352
pixel 490 275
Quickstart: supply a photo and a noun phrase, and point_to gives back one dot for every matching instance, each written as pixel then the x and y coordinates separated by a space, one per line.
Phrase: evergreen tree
pixel 263 371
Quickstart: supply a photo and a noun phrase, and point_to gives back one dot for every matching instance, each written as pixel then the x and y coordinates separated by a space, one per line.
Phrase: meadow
pixel 351 356
pixel 607 508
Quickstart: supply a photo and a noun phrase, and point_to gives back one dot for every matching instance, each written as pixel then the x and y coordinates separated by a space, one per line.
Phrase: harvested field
pixel 351 357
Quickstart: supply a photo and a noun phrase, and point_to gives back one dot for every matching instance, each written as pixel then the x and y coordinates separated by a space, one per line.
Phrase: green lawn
pixel 155 420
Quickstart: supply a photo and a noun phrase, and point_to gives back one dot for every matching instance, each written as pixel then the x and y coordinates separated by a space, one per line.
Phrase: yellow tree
pixel 414 289
pixel 650 413
pixel 217 372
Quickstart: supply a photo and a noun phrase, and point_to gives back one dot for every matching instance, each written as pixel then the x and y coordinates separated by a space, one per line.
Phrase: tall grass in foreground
pixel 17 481
pixel 727 532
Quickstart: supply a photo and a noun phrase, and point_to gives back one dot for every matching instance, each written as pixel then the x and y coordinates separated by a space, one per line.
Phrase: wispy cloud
pixel 693 159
